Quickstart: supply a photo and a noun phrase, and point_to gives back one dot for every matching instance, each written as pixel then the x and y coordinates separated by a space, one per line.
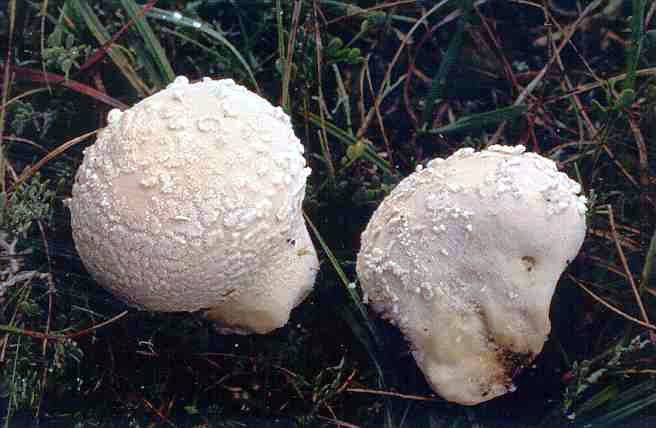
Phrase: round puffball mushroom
pixel 191 200
pixel 464 255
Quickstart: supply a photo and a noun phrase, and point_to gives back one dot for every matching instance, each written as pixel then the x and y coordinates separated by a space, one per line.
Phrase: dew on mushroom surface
pixel 208 124
pixel 114 115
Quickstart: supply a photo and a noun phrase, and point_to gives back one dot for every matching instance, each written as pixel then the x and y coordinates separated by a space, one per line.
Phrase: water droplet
pixel 114 115
pixel 178 94
pixel 177 16
pixel 427 293
pixel 197 24
pixel 208 124
pixel 165 113
pixel 176 124
pixel 181 80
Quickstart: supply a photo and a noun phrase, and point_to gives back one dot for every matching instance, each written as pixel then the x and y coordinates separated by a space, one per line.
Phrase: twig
pixel 323 136
pixel 590 86
pixel 625 264
pixel 528 90
pixel 158 412
pixel 290 54
pixel 58 335
pixel 611 307
pixel 643 173
pixel 388 146
pixel 338 423
pixel 53 154
pixel 393 394
pixel 97 326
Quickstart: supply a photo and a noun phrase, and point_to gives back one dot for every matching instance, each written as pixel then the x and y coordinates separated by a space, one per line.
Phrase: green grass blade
pixel 604 396
pixel 477 121
pixel 178 19
pixel 152 45
pixel 365 339
pixel 648 266
pixel 628 405
pixel 196 43
pixel 438 83
pixel 635 44
pixel 92 22
pixel 355 299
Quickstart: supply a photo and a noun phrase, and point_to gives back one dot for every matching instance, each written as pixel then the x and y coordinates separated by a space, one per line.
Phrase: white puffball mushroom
pixel 464 255
pixel 191 200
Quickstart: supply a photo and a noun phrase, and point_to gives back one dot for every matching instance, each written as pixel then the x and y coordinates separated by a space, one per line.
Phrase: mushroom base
pixel 262 309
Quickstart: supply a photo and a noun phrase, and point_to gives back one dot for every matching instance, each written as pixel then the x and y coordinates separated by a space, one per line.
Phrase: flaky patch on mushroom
pixel 191 200
pixel 464 255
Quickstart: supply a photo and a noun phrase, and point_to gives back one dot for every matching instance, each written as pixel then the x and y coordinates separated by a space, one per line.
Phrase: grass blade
pixel 92 22
pixel 477 121
pixel 153 47
pixel 438 83
pixel 365 339
pixel 635 44
pixel 627 405
pixel 178 19
pixel 196 43
pixel 41 77
pixel 6 87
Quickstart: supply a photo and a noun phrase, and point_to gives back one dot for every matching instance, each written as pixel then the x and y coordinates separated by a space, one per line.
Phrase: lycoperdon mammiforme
pixel 464 256
pixel 191 200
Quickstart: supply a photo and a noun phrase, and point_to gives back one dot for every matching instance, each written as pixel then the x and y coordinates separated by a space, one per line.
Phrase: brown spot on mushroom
pixel 528 262
pixel 513 362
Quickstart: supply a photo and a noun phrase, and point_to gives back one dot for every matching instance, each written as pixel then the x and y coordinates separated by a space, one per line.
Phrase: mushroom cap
pixel 191 199
pixel 464 257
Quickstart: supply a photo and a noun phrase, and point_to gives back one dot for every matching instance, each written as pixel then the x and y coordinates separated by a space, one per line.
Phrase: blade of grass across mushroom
pixel 178 19
pixel 82 11
pixel 476 121
pixel 151 43
pixel 357 302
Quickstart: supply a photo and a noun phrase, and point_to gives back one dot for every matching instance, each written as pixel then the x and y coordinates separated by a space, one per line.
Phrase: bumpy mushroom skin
pixel 191 200
pixel 464 255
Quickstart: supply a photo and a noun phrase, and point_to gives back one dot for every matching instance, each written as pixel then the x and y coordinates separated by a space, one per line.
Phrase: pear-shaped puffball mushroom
pixel 191 200
pixel 464 255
